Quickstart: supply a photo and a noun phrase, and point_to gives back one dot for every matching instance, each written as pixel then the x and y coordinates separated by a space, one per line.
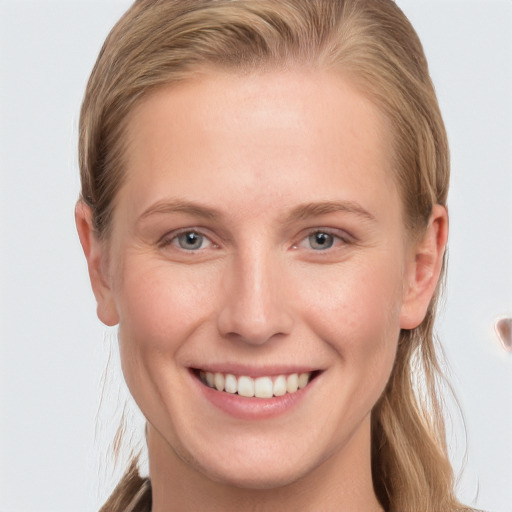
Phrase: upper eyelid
pixel 330 231
pixel 335 232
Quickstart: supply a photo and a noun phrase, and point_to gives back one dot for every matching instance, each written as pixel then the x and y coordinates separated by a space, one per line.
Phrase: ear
pixel 96 255
pixel 423 269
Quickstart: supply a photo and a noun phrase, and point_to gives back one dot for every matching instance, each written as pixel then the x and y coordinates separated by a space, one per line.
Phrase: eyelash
pixel 334 235
pixel 174 239
pixel 336 238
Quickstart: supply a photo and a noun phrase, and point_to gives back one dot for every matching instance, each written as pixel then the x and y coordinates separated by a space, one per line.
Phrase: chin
pixel 261 478
pixel 262 471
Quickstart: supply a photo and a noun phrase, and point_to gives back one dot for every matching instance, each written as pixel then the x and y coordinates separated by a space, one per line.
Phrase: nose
pixel 254 308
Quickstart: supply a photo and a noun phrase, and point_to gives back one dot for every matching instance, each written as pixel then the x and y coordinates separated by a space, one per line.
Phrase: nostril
pixel 254 329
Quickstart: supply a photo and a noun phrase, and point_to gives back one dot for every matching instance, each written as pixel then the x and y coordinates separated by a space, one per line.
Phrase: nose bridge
pixel 255 308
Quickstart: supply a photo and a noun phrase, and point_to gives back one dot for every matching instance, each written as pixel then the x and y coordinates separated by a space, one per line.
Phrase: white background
pixel 53 350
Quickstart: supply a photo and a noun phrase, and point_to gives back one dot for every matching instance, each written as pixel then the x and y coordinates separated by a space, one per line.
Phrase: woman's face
pixel 258 245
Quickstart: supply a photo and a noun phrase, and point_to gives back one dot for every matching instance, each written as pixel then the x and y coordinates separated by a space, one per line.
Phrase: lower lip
pixel 253 408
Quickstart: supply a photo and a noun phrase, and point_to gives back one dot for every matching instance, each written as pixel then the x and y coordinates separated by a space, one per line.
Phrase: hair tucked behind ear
pixel 369 42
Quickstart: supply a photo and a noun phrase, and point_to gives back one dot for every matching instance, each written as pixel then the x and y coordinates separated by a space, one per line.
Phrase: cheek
pixel 160 306
pixel 355 309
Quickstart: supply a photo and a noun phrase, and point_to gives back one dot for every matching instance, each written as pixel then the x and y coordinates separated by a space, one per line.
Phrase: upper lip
pixel 254 371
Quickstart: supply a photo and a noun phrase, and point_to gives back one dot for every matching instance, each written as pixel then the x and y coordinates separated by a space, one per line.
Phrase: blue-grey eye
pixel 321 241
pixel 190 240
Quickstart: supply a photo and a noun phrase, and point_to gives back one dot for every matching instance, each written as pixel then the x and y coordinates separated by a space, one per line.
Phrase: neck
pixel 341 483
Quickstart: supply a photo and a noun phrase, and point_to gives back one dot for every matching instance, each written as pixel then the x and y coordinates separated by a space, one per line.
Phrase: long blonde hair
pixel 160 42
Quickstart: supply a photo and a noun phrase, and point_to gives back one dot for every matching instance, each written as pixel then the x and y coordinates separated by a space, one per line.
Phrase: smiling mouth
pixel 260 387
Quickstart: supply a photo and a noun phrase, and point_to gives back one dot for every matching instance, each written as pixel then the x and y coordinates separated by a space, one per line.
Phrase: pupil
pixel 321 241
pixel 190 240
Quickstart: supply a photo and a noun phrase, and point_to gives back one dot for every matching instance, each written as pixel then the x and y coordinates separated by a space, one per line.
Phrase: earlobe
pixel 424 268
pixel 94 250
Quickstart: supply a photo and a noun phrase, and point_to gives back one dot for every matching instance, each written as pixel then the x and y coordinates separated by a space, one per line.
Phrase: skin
pixel 240 160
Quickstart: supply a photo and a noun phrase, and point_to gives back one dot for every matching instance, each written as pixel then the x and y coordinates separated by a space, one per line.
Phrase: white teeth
pixel 292 383
pixel 280 386
pixel 246 386
pixel 303 380
pixel 231 384
pixel 261 387
pixel 219 381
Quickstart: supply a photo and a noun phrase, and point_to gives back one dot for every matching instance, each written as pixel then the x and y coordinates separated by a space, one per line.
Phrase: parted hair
pixel 369 42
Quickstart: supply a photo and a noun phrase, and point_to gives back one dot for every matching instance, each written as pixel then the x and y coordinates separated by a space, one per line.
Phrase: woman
pixel 263 212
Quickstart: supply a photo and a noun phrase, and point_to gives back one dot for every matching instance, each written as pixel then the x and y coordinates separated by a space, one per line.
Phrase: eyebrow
pixel 300 212
pixel 308 210
pixel 179 206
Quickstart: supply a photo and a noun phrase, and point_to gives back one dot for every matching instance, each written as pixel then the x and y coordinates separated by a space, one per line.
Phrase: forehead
pixel 279 128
